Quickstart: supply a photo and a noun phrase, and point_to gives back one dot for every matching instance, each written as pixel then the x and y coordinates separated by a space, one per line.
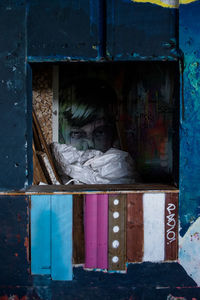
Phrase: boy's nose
pixel 88 144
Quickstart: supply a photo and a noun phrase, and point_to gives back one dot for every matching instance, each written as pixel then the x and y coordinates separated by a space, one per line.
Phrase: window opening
pixel 111 123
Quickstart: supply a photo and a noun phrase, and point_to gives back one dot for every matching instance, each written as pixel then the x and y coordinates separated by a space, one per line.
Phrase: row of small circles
pixel 115 243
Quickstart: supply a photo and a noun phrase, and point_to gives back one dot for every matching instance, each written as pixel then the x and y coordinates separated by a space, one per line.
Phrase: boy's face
pixel 95 135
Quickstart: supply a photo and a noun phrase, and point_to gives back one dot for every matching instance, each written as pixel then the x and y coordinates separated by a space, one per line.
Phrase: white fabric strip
pixel 154 226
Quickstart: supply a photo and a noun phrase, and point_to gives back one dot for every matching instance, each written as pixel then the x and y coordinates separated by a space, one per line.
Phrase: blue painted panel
pixel 140 31
pixel 13 99
pixel 190 115
pixel 61 239
pixel 62 30
pixel 14 241
pixel 40 235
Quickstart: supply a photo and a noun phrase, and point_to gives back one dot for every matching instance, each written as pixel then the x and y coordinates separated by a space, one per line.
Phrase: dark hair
pixel 86 100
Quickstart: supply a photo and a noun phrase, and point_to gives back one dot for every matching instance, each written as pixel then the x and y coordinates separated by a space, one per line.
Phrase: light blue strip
pixel 40 234
pixel 61 237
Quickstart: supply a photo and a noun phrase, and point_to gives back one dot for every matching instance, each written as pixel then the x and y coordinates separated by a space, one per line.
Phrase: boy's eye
pixel 101 131
pixel 77 134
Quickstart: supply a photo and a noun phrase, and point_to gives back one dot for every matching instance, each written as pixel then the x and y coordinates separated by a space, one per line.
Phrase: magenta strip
pixel 91 231
pixel 102 232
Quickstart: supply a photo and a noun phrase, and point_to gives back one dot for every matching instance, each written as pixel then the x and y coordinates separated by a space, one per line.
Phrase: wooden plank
pixel 55 108
pixel 43 143
pixel 38 173
pixel 154 228
pixel 78 230
pixel 40 234
pixel 171 227
pixel 102 231
pixel 135 228
pixel 61 237
pixel 117 232
pixel 104 188
pixel 91 231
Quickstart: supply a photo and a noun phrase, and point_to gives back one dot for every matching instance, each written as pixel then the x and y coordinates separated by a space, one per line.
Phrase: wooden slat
pixel 78 230
pixel 38 173
pixel 40 235
pixel 154 226
pixel 102 231
pixel 117 232
pixel 104 188
pixel 39 134
pixel 135 228
pixel 91 231
pixel 61 237
pixel 171 227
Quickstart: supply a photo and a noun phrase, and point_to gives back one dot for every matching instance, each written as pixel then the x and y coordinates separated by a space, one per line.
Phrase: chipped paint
pixel 189 251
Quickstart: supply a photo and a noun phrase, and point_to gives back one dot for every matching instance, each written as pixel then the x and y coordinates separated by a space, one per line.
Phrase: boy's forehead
pixel 92 125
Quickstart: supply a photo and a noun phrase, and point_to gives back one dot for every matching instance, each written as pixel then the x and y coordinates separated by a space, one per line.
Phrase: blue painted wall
pixel 14 158
pixel 190 115
pixel 40 31
pixel 60 30
pixel 138 31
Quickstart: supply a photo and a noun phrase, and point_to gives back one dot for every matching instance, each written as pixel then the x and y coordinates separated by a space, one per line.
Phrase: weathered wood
pixel 47 168
pixel 135 228
pixel 96 231
pixel 40 234
pixel 117 232
pixel 102 231
pixel 61 237
pixel 171 227
pixel 78 230
pixel 112 188
pixel 44 144
pixel 154 227
pixel 38 173
pixel 91 231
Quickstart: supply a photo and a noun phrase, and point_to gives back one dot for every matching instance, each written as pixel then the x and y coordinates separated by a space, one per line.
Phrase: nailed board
pixel 135 228
pixel 171 226
pixel 78 230
pixel 117 232
pixel 152 227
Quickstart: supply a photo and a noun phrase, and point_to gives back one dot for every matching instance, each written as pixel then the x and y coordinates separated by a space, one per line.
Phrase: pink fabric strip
pixel 102 231
pixel 91 231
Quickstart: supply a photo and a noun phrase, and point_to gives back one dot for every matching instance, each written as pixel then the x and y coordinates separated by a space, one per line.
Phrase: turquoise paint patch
pixel 51 236
pixel 190 116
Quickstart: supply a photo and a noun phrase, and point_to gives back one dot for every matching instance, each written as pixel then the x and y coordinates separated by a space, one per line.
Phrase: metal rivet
pixel 115 244
pixel 116 229
pixel 115 259
pixel 115 215
pixel 116 202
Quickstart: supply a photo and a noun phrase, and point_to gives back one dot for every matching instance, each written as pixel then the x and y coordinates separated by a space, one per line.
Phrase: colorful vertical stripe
pixel 40 235
pixel 152 227
pixel 171 226
pixel 102 231
pixel 96 231
pixel 135 228
pixel 78 230
pixel 117 232
pixel 61 237
pixel 51 236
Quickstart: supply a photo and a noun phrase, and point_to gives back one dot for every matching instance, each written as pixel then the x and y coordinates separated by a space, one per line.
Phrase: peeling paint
pixel 189 251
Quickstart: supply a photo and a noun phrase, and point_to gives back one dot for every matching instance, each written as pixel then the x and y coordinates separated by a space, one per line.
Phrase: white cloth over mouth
pixel 92 166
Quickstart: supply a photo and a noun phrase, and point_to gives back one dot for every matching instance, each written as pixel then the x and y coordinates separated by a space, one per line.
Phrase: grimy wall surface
pixel 35 31
pixel 54 31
